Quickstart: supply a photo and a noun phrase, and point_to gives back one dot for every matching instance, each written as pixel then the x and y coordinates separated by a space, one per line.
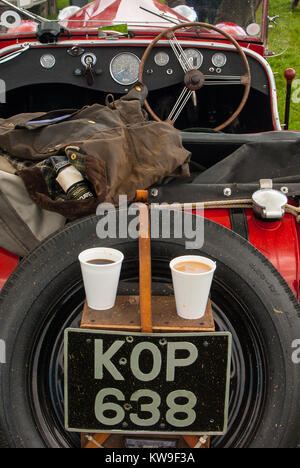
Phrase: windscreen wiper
pixel 163 16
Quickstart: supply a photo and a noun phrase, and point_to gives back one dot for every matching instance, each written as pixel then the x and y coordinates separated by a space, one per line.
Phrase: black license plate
pixel 119 382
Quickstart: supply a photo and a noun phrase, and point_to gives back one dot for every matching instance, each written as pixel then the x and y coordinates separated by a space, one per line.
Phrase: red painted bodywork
pixel 232 28
pixel 119 10
pixel 25 27
pixel 8 263
pixel 279 242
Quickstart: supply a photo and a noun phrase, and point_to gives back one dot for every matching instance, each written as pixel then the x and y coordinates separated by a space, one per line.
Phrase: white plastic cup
pixel 101 281
pixel 192 290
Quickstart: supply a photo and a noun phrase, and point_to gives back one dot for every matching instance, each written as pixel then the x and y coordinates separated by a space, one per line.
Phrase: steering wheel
pixel 195 79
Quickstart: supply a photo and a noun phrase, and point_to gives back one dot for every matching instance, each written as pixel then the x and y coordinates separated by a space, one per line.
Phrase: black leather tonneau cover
pixel 242 139
pixel 272 155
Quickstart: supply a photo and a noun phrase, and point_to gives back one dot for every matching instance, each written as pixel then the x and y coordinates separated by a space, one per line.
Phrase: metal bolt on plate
pixel 154 192
pixel 127 407
pixel 284 190
pixel 129 339
pixel 227 192
pixel 163 342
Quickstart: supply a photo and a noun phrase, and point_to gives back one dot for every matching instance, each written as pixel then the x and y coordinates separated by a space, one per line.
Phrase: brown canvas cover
pixel 115 147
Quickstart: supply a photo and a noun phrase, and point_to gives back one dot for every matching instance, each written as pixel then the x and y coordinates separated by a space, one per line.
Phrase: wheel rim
pixel 249 376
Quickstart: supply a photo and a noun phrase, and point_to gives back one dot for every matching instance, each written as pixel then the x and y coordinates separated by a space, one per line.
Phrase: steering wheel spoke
pixel 179 53
pixel 180 104
pixel 223 80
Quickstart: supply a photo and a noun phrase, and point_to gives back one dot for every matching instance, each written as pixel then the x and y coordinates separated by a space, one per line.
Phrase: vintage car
pixel 211 82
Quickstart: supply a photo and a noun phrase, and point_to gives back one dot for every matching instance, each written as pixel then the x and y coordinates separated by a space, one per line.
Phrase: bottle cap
pixel 59 163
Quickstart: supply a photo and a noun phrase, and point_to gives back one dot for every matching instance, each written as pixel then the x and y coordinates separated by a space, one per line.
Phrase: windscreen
pixel 238 17
pixel 239 12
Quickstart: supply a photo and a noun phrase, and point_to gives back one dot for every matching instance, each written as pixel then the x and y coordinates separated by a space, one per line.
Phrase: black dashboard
pixel 113 69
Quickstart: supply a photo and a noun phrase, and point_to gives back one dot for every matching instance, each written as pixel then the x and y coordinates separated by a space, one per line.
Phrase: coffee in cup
pixel 101 268
pixel 192 279
pixel 192 267
pixel 100 261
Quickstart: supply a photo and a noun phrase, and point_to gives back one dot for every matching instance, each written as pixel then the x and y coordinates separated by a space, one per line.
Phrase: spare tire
pixel 250 299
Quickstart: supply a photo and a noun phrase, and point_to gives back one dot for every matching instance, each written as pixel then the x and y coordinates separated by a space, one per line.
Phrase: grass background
pixel 284 41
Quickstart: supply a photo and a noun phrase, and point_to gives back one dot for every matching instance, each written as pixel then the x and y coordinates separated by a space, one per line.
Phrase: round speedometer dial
pixel 124 68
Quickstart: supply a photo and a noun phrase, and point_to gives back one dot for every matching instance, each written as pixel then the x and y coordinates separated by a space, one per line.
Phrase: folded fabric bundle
pixel 115 148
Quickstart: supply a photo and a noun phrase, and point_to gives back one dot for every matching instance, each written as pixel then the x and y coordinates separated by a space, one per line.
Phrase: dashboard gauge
pixel 124 68
pixel 219 60
pixel 161 59
pixel 47 61
pixel 194 57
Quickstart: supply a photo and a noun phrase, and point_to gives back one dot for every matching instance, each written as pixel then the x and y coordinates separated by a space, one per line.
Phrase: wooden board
pixel 126 316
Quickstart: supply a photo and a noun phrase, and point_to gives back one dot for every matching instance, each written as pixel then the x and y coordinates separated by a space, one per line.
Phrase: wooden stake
pixel 145 269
